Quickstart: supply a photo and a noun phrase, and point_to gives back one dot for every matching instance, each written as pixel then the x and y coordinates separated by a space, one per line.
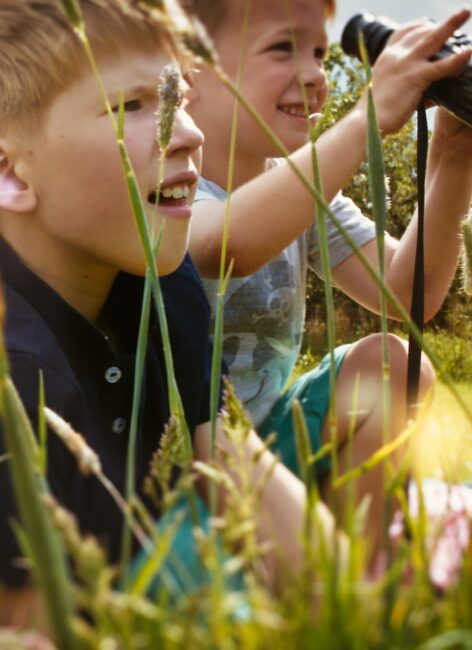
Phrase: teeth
pixel 176 192
pixel 298 111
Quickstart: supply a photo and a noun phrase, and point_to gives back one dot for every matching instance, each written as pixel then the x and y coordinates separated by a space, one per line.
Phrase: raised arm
pixel 448 197
pixel 271 210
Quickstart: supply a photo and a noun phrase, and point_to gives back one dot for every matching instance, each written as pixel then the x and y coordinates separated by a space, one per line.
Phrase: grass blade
pixel 47 553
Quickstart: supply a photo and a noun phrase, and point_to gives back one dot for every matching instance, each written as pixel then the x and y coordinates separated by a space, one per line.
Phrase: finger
pixel 417 39
pixel 407 29
pixel 439 35
pixel 451 65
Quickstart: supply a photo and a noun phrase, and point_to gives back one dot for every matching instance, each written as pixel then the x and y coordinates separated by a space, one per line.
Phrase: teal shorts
pixel 182 572
pixel 313 392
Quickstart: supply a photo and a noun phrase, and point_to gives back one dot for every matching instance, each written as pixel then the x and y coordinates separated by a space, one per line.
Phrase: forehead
pixel 274 18
pixel 133 66
pixel 130 72
pixel 276 14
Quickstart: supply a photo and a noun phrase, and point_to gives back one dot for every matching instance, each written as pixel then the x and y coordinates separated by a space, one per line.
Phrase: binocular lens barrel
pixel 376 33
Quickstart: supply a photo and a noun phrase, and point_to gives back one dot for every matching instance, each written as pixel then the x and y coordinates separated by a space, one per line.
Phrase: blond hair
pixel 40 54
pixel 212 13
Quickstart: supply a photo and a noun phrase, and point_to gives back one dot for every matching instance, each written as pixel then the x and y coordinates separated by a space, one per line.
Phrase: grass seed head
pixel 88 460
pixel 196 40
pixel 86 552
pixel 73 13
pixel 170 99
pixel 237 423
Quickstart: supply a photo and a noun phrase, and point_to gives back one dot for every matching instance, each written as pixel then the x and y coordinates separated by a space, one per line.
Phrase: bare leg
pixel 364 361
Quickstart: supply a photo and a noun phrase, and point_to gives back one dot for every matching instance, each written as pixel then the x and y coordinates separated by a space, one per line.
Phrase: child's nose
pixel 312 73
pixel 186 135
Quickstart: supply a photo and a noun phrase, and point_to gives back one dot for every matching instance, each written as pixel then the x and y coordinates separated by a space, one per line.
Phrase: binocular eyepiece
pixel 454 93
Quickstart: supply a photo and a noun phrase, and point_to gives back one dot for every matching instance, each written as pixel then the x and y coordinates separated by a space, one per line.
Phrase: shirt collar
pixel 74 332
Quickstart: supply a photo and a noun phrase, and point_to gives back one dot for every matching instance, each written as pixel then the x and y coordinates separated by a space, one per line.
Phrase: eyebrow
pixel 287 31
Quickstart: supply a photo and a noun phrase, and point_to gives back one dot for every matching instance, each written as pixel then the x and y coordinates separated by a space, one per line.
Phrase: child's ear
pixel 16 193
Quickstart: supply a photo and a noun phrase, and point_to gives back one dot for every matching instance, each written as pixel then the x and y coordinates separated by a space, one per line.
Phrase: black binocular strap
pixel 417 299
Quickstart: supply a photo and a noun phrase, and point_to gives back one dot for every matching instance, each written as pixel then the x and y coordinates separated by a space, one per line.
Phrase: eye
pixel 132 105
pixel 319 53
pixel 129 106
pixel 282 46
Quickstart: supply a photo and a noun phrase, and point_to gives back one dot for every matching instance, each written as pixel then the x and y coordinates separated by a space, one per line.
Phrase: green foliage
pixel 454 350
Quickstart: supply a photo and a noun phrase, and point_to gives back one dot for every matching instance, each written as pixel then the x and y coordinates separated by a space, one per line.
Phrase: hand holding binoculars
pixel 454 93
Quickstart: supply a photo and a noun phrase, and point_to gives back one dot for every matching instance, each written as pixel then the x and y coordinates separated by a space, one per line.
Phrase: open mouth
pixel 170 195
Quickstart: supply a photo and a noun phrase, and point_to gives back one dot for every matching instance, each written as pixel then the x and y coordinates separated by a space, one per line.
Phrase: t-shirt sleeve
pixel 360 228
pixel 209 191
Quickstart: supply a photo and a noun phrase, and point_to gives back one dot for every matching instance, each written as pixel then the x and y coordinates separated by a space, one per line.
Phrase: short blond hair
pixel 40 55
pixel 213 13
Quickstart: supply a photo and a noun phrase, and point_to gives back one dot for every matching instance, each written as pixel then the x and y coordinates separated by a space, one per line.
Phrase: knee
pixel 360 382
pixel 367 354
pixel 398 356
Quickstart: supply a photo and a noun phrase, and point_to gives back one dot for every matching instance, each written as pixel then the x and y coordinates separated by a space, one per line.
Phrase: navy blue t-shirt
pixel 90 385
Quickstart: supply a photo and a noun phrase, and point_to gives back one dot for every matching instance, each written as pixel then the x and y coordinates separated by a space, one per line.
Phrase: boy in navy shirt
pixel 72 266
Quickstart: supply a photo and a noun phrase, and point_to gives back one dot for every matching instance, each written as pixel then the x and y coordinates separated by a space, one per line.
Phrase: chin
pixel 171 262
pixel 172 249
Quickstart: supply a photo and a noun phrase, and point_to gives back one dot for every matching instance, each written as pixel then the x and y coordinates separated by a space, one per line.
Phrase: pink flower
pixel 448 512
pixel 449 547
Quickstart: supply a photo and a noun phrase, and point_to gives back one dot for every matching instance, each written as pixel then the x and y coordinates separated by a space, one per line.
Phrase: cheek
pixel 102 171
pixel 269 83
pixel 87 159
pixel 197 158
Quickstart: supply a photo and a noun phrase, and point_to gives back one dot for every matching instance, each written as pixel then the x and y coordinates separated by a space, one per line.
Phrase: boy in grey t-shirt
pixel 265 312
pixel 271 212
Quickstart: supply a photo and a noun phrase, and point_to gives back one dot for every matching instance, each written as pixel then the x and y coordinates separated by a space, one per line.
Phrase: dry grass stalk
pixel 89 463
pixel 467 254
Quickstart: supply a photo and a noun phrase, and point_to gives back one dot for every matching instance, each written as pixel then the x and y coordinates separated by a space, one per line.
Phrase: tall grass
pixel 39 541
pixel 332 603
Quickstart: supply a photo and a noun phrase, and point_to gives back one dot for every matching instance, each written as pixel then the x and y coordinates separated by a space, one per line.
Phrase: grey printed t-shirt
pixel 264 313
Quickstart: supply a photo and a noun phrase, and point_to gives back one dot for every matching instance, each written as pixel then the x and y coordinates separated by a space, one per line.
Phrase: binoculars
pixel 454 93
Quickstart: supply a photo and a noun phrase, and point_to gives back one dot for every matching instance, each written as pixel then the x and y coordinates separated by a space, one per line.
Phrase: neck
pixel 245 168
pixel 86 295
pixel 81 284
